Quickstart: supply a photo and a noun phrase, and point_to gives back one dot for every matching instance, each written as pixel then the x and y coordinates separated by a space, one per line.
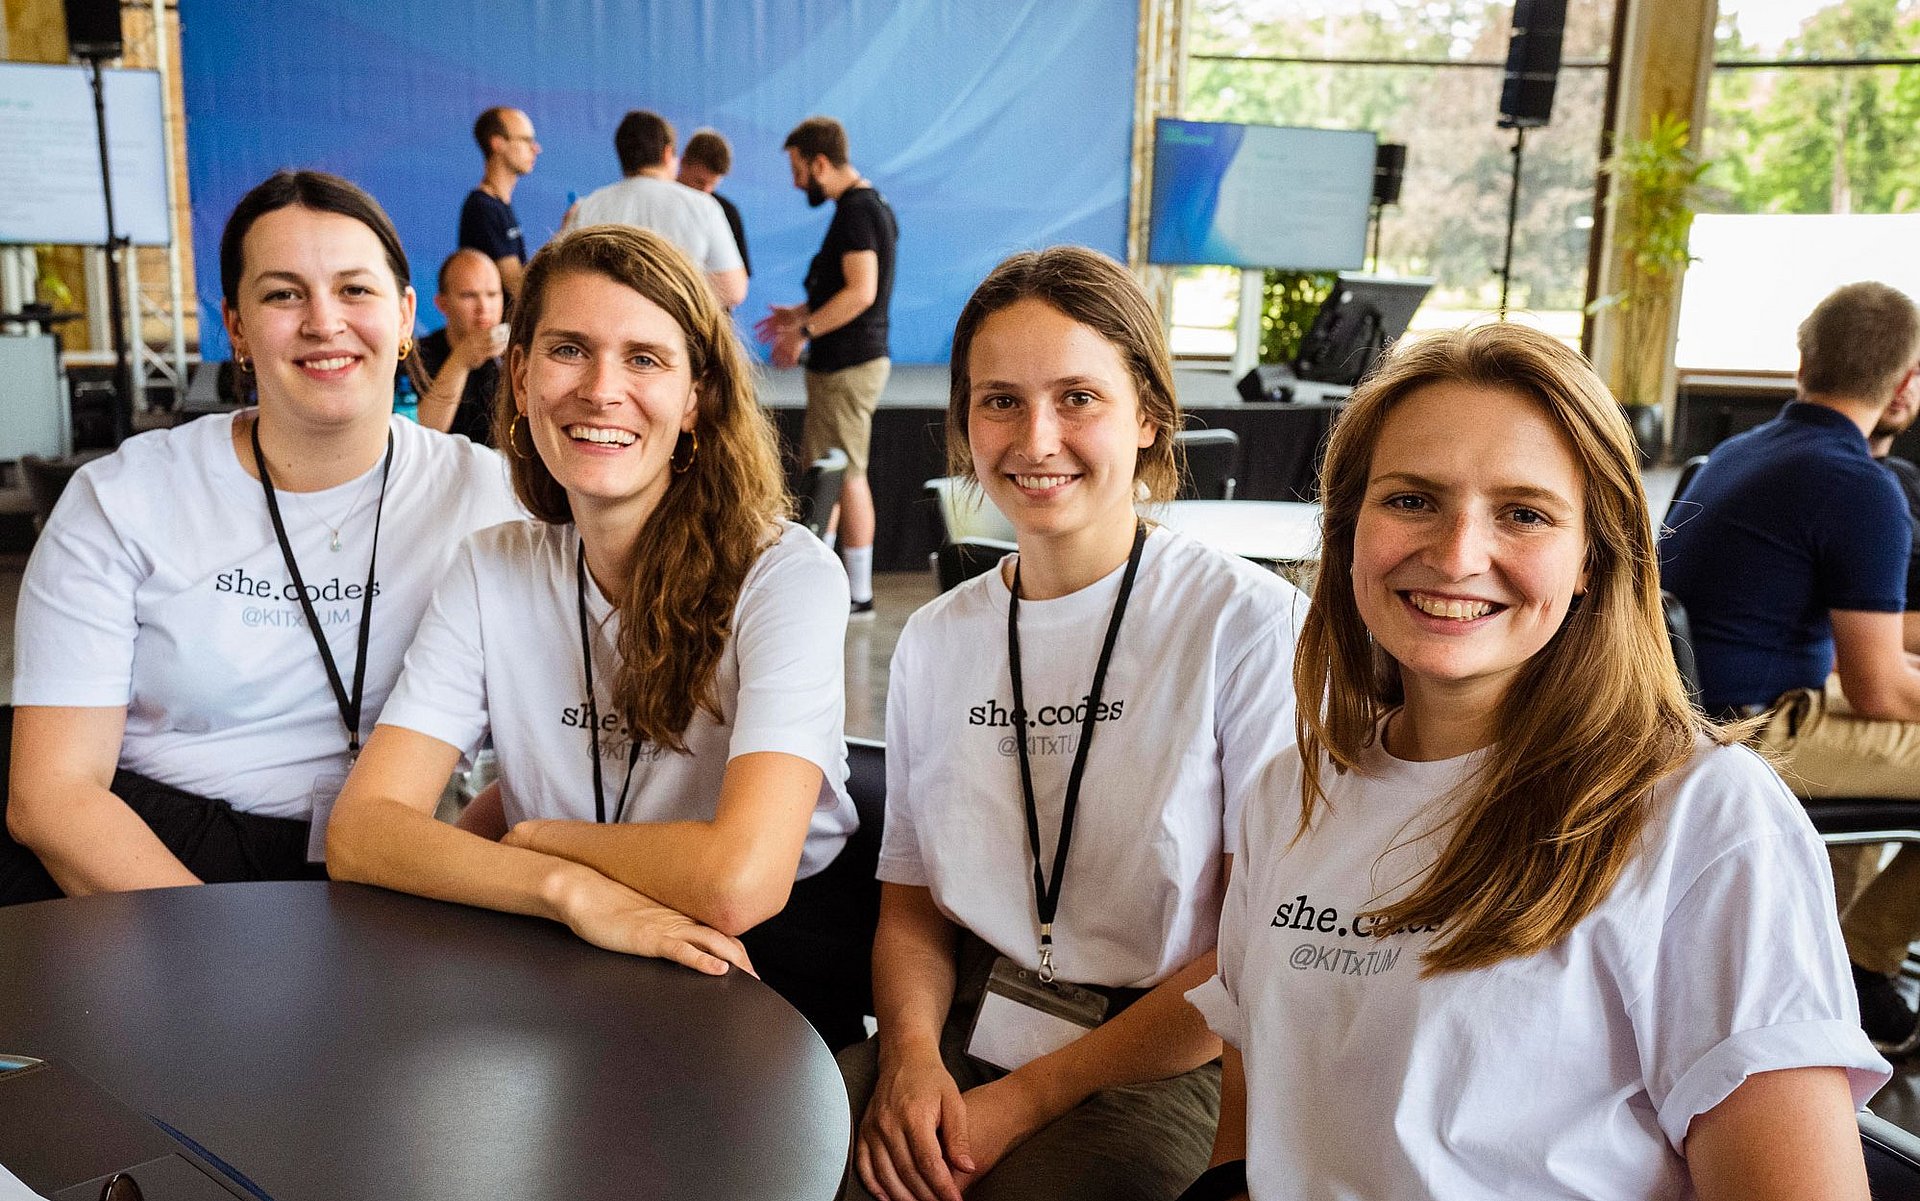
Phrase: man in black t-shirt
pixel 703 164
pixel 487 220
pixel 462 361
pixel 843 326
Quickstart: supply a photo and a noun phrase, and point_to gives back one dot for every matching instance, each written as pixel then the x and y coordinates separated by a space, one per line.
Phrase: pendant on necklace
pixel 335 543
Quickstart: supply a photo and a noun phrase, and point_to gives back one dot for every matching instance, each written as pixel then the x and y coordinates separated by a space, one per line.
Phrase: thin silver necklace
pixel 334 527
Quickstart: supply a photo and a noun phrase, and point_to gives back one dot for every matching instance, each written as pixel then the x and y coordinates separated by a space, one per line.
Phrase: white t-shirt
pixel 687 217
pixel 1198 698
pixel 500 650
pixel 158 585
pixel 1571 1073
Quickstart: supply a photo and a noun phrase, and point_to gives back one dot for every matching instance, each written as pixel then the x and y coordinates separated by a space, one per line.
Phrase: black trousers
pixel 217 842
pixel 818 951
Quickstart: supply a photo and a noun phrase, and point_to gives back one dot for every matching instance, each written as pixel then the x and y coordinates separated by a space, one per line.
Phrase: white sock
pixel 831 538
pixel 859 561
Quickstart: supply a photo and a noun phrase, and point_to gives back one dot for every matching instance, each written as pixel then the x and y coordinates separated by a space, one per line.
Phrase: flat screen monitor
pixel 1260 196
pixel 50 157
pixel 1356 323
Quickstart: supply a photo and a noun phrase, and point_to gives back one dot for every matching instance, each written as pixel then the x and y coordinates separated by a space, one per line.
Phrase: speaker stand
pixel 1373 237
pixel 116 277
pixel 1513 218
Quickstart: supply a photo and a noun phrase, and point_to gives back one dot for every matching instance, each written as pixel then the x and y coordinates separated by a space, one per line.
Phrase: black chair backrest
pixel 1212 464
pixel 1680 638
pixel 1688 470
pixel 867 786
pixel 1893 1159
pixel 46 479
pixel 819 491
pixel 957 562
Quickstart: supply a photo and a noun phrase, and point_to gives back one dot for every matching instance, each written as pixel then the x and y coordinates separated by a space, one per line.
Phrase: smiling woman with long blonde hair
pixel 1515 920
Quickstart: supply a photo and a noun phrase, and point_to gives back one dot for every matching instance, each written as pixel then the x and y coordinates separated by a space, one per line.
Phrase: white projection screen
pixel 50 157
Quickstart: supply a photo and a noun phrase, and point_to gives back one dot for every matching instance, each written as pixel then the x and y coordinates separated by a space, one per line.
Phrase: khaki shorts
pixel 840 408
pixel 1823 749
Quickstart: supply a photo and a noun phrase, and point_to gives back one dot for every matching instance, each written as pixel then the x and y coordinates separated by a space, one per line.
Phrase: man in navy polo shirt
pixel 1790 554
pixel 488 223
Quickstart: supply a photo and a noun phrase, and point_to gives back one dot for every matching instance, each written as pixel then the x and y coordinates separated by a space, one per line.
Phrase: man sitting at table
pixel 1790 554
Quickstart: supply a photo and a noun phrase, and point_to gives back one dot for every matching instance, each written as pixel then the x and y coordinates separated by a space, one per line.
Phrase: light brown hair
pixel 717 516
pixel 1859 342
pixel 1592 722
pixel 1100 294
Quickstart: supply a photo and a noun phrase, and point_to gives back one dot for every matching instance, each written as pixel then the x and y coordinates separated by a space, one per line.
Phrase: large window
pixel 1426 73
pixel 1815 171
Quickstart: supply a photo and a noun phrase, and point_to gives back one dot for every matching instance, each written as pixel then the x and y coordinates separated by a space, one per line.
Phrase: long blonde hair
pixel 676 610
pixel 1591 723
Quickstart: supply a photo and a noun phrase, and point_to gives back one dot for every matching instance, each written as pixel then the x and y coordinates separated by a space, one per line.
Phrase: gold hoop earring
pixel 242 363
pixel 514 430
pixel 693 450
pixel 406 349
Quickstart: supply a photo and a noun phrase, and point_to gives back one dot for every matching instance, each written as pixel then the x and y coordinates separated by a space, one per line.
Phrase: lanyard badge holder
pixel 326 788
pixel 1024 1013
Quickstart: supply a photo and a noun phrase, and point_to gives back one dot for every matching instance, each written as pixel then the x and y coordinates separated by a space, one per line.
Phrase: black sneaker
pixel 1891 1024
pixel 861 611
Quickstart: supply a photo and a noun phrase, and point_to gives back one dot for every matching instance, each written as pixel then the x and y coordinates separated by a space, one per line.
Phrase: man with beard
pixel 1791 554
pixel 843 328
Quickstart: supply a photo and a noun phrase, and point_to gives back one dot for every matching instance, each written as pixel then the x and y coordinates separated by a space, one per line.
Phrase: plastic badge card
pixel 1020 1019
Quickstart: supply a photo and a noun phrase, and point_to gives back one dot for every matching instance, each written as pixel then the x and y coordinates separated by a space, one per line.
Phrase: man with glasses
pixel 487 220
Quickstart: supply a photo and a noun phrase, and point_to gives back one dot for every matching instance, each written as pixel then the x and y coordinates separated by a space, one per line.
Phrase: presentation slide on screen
pixel 1260 196
pixel 50 189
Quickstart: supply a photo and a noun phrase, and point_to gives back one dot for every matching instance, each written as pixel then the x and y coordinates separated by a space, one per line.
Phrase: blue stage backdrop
pixel 990 125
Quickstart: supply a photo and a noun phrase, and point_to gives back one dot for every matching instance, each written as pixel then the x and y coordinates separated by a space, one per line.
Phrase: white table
pixel 1270 531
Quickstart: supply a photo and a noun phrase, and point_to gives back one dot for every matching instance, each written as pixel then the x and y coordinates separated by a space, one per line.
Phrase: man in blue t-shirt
pixel 1790 553
pixel 487 220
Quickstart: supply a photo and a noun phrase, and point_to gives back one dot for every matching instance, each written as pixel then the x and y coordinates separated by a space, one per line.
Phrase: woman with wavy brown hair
pixel 657 655
pixel 1516 919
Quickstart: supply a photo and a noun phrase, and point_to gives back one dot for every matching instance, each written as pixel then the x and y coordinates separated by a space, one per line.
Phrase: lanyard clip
pixel 1046 953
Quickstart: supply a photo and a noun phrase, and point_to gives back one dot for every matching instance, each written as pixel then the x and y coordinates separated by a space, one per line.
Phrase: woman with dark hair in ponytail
pixel 658 656
pixel 216 612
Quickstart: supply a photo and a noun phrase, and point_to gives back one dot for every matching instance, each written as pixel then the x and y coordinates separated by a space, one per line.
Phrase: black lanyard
pixel 1046 893
pixel 593 707
pixel 349 705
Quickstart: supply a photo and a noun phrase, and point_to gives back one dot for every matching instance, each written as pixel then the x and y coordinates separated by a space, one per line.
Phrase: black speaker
pixel 1533 63
pixel 1389 165
pixel 1267 382
pixel 93 28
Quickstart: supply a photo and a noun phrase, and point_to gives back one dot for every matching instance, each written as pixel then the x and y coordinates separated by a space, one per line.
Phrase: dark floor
pixel 869 649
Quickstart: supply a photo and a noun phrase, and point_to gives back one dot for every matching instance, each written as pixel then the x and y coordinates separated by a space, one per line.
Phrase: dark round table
pixel 336 1042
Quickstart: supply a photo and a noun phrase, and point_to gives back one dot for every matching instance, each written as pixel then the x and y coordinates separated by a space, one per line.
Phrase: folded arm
pixel 383 832
pixel 731 873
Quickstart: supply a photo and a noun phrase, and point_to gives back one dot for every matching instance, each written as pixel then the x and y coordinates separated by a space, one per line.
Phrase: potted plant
pixel 1657 180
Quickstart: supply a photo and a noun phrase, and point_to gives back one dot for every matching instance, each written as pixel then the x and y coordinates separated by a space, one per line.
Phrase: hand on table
pixel 898 1153
pixel 610 915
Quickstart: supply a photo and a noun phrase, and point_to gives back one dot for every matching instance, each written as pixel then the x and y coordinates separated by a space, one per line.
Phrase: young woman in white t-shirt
pixel 178 720
pixel 1517 920
pixel 1150 687
pixel 658 657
